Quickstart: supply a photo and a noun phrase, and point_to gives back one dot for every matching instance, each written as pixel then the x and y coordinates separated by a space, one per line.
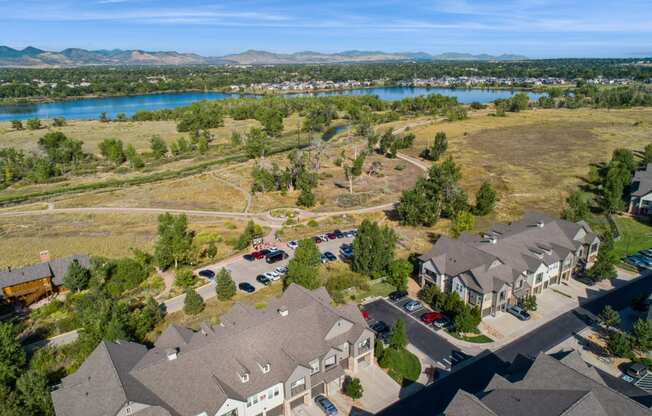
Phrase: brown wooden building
pixel 31 283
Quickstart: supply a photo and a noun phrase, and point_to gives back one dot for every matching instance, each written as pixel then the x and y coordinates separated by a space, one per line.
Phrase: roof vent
pixel 540 224
pixel 244 377
pixel 171 353
pixel 283 311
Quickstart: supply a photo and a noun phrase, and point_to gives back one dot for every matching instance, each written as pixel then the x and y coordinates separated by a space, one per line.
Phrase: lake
pixel 90 108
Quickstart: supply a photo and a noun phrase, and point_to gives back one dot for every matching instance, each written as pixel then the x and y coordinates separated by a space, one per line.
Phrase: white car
pixel 281 270
pixel 293 244
pixel 273 276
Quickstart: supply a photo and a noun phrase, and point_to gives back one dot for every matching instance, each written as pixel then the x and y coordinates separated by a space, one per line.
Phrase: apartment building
pixel 510 261
pixel 256 362
pixel 640 201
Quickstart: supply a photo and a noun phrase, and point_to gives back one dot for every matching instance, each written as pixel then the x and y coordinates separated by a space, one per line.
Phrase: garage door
pixel 318 389
pixel 296 402
pixel 277 411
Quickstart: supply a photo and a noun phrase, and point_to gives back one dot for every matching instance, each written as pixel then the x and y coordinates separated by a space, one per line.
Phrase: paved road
pixel 422 336
pixel 475 376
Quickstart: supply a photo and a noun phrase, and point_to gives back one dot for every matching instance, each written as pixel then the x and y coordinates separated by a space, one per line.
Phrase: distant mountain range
pixel 34 57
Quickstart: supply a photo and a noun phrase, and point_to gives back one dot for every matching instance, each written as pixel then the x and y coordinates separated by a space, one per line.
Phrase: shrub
pixel 185 278
pixel 225 286
pixel 353 388
pixel 619 344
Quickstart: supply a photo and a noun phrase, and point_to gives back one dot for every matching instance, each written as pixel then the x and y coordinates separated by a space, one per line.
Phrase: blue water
pixel 91 108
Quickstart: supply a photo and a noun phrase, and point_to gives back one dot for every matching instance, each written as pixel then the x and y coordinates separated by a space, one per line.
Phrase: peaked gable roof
pixel 55 269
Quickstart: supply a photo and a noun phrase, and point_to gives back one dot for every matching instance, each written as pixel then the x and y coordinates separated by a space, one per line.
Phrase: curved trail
pixel 264 218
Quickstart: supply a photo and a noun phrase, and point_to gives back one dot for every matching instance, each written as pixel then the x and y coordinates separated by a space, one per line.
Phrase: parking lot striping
pixel 412 316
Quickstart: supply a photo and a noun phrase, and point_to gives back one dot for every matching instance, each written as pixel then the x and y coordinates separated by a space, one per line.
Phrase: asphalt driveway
pixel 422 336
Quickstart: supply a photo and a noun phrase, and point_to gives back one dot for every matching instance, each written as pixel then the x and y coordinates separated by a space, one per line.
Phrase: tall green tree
pixel 303 269
pixel 158 147
pixel 12 355
pixel 225 286
pixel 438 148
pixel 193 303
pixel 609 317
pixel 174 243
pixel 604 266
pixel 257 143
pixel 34 392
pixel 419 206
pixel 113 151
pixel 373 249
pixel 397 338
pixel 462 221
pixel 642 333
pixel 76 277
pixel 251 231
pixel 485 199
pixel 398 274
pixel 577 208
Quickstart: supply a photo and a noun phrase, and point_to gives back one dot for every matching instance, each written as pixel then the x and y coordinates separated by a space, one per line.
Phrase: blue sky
pixel 536 28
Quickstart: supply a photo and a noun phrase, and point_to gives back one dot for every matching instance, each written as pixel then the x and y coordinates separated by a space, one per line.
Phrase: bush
pixel 530 303
pixel 185 278
pixel 353 388
pixel 619 344
pixel 225 287
pixel 379 349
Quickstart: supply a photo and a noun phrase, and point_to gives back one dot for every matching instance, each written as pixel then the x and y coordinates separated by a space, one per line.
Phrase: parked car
pixel 636 262
pixel 647 253
pixel 249 257
pixel 246 287
pixel 413 305
pixel 348 233
pixel 209 274
pixel 272 276
pixel 281 270
pixel 265 252
pixel 317 239
pixel 443 322
pixel 258 255
pixel 636 370
pixel 330 256
pixel 338 234
pixel 397 295
pixel 293 244
pixel 647 262
pixel 585 279
pixel 430 317
pixel 518 312
pixel 331 236
pixel 262 279
pixel 276 256
pixel 326 405
pixel 381 329
pixel 365 313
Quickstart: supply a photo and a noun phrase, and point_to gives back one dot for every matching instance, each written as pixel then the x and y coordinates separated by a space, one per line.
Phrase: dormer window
pixel 266 368
pixel 244 377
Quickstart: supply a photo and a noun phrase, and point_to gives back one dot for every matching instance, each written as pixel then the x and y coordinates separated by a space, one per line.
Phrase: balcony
pixel 295 391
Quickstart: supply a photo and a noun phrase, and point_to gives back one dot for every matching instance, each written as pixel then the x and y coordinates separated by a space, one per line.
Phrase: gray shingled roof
pixel 549 388
pixel 56 269
pixel 206 370
pixel 485 263
pixel 642 181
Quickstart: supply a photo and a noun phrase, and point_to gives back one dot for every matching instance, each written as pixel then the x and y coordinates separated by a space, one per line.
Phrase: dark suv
pixel 397 295
pixel 275 256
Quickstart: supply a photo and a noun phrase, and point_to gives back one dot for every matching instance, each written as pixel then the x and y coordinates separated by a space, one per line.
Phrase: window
pixel 502 296
pixel 252 400
pixel 277 391
pixel 244 377
pixel 298 383
pixel 364 345
pixel 266 368
pixel 538 278
pixel 233 412
pixel 329 362
pixel 314 365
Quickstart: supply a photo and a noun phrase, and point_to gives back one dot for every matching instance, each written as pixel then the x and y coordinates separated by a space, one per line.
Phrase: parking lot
pixel 422 336
pixel 246 271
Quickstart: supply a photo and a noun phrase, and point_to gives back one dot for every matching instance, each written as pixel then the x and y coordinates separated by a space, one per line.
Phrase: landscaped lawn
pixel 635 236
pixel 478 339
pixel 403 366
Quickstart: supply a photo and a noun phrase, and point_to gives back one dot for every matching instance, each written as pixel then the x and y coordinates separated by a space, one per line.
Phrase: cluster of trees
pixel 464 317
pixel 437 148
pixel 616 177
pixel 622 343
pixel 59 155
pixel 297 175
pixel 390 143
pixel 439 194
pixel 67 82
pixel 373 249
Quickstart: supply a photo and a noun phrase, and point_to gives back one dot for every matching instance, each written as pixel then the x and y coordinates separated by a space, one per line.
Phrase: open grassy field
pixel 202 192
pixel 22 238
pixel 535 158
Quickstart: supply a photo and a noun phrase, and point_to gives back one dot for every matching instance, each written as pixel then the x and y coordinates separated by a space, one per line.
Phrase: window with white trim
pixel 314 366
pixel 298 383
pixel 329 362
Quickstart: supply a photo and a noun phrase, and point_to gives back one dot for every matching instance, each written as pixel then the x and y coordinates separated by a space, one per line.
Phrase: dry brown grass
pixel 201 192
pixel 111 235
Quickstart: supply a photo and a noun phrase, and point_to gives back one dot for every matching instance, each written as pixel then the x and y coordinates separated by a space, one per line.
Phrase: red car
pixel 430 317
pixel 365 315
pixel 331 236
pixel 258 255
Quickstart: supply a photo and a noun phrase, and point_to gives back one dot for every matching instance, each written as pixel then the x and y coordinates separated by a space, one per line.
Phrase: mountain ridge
pixel 71 57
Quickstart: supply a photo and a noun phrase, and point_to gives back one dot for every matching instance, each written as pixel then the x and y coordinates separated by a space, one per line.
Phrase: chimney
pixel 283 311
pixel 540 224
pixel 45 256
pixel 171 353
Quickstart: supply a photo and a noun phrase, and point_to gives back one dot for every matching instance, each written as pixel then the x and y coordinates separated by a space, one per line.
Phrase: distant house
pixel 31 283
pixel 554 386
pixel 510 261
pixel 267 361
pixel 640 202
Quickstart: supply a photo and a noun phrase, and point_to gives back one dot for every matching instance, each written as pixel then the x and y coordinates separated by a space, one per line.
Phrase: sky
pixel 535 28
